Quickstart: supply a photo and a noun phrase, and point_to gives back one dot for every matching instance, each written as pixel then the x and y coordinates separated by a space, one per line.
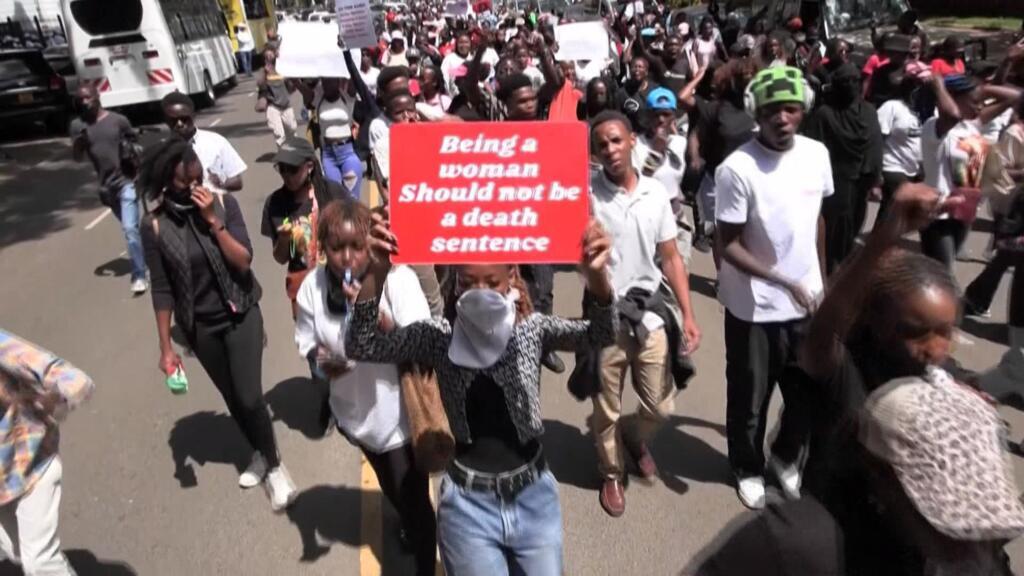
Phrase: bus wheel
pixel 208 96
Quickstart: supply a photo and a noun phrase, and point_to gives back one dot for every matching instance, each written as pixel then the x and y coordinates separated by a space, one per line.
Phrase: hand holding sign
pixel 489 193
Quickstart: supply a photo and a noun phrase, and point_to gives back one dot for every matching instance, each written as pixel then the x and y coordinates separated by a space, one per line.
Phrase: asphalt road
pixel 150 478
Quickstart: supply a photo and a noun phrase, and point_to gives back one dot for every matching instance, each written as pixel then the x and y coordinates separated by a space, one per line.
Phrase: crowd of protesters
pixel 757 141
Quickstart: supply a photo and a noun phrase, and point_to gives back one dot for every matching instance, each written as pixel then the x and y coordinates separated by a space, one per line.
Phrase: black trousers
pixel 757 357
pixel 540 280
pixel 231 352
pixel 408 490
pixel 942 240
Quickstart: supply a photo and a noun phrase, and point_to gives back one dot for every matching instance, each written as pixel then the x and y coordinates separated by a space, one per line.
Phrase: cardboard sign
pixel 355 23
pixel 489 192
pixel 310 50
pixel 582 41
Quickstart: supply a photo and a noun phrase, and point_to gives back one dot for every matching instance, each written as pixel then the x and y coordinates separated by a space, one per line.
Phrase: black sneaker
pixel 552 362
pixel 970 309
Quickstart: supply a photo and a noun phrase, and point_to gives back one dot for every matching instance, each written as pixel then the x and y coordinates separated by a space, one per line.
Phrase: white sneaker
pixel 751 492
pixel 139 286
pixel 255 473
pixel 280 488
pixel 789 477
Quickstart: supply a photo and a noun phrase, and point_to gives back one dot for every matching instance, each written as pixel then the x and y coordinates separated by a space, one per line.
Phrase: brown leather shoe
pixel 644 461
pixel 612 498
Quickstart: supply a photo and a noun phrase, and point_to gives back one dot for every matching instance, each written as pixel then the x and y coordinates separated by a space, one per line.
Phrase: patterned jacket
pixel 28 432
pixel 517 371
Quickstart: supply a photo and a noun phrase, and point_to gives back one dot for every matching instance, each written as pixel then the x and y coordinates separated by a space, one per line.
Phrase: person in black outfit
pixel 199 255
pixel 848 127
pixel 889 315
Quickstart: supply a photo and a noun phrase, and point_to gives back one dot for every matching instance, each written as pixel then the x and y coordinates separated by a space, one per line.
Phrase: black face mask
pixel 178 201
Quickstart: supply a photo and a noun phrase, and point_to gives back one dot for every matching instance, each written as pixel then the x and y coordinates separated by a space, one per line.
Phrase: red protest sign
pixel 488 192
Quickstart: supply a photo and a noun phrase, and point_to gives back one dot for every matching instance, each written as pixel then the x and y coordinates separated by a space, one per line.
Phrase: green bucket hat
pixel 778 84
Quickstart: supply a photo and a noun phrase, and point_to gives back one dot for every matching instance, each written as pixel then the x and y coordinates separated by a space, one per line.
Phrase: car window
pixel 13 68
pixel 101 17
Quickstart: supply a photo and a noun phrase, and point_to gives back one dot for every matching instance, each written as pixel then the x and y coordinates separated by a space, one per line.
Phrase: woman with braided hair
pixel 200 260
pixel 888 320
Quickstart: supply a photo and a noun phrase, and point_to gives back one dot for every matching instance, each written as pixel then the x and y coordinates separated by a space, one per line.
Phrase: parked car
pixel 32 91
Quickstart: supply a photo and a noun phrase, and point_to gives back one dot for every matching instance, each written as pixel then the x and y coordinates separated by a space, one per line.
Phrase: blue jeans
pixel 480 533
pixel 128 214
pixel 342 165
pixel 245 61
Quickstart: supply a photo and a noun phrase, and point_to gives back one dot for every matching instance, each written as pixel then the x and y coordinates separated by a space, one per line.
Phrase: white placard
pixel 582 41
pixel 310 50
pixel 355 23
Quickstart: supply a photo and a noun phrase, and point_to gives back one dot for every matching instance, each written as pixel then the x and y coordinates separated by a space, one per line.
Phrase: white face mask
pixel 484 322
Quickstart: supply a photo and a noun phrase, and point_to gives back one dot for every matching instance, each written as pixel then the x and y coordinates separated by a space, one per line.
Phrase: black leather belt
pixel 507 485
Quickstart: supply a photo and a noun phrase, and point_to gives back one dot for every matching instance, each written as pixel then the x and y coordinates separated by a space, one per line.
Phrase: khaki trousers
pixel 648 365
pixel 281 123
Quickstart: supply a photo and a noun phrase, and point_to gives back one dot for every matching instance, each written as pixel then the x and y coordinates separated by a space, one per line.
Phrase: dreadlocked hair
pixel 450 287
pixel 159 162
pixel 336 214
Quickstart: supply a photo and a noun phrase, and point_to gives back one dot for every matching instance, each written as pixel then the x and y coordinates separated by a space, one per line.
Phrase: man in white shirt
pixel 399 108
pixel 222 166
pixel 768 210
pixel 636 212
pixel 246 44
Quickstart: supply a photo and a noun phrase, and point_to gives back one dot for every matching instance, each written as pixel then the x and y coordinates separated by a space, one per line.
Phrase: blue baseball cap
pixel 661 99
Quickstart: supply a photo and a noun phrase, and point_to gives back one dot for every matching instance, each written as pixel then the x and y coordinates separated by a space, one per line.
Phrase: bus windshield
pixel 102 17
pixel 847 15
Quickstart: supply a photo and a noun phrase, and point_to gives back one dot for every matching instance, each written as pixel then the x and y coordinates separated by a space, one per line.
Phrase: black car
pixel 31 91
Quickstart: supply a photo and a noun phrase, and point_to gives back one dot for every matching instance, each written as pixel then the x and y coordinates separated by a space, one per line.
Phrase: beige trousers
pixel 281 123
pixel 648 365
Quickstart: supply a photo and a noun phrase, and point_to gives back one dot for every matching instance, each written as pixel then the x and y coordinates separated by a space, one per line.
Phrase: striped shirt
pixel 29 435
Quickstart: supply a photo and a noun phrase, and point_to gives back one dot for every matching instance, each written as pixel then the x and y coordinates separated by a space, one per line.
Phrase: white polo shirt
pixel 217 155
pixel 777 197
pixel 637 222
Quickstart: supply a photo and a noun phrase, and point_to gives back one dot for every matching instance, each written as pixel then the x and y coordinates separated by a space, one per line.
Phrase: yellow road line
pixel 371 525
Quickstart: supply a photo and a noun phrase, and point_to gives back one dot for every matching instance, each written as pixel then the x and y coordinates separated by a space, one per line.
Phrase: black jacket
pixel 585 380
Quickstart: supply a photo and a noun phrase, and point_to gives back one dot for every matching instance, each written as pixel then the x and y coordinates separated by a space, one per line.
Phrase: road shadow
pixel 297 402
pixel 683 457
pixel 117 267
pixel 204 437
pixel 703 286
pixel 84 562
pixel 325 515
pixel 233 131
pixel 40 188
pixel 992 331
pixel 571 455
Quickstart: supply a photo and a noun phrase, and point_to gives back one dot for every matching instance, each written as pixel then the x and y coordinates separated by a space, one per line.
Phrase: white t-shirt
pixel 380 145
pixel 673 166
pixel 370 78
pixel 901 130
pixel 367 401
pixel 946 161
pixel 779 209
pixel 448 65
pixel 535 76
pixel 637 222
pixel 995 127
pixel 217 155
